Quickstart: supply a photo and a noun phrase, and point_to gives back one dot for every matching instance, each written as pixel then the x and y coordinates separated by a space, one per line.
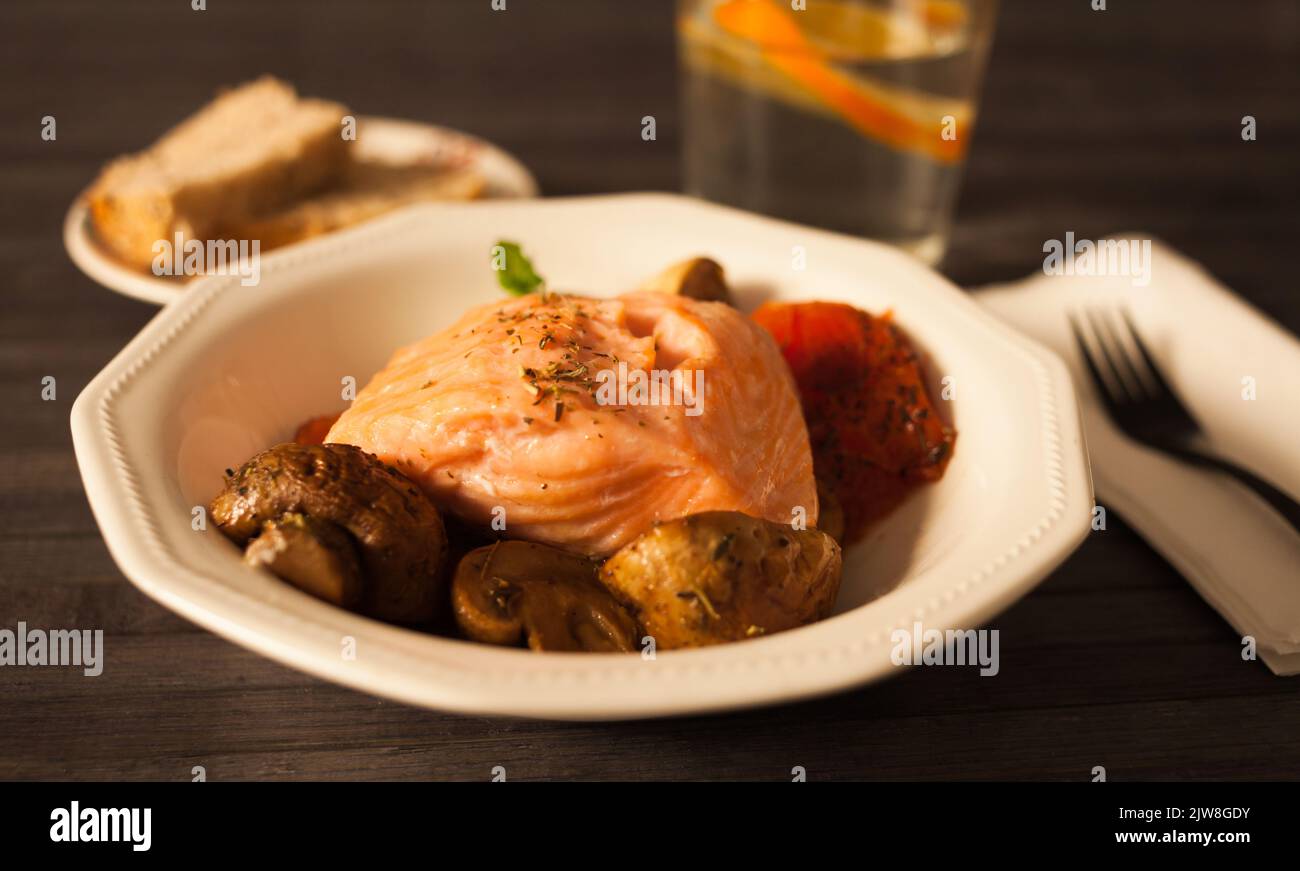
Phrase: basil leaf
pixel 514 271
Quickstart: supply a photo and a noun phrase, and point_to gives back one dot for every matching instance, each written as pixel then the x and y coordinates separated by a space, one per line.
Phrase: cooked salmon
pixel 579 422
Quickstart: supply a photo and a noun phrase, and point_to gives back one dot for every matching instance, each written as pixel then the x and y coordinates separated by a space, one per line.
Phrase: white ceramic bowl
pixel 227 370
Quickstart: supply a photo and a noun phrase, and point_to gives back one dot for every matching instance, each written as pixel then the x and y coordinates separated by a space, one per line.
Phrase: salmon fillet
pixel 514 414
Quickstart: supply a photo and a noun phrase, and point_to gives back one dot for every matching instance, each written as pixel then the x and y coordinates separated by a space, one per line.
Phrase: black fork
pixel 1143 405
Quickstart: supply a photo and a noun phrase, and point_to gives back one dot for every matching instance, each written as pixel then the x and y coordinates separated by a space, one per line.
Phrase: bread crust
pixel 369 191
pixel 155 194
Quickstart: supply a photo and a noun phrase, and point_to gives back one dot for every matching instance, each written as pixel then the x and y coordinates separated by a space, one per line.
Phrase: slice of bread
pixel 369 189
pixel 253 150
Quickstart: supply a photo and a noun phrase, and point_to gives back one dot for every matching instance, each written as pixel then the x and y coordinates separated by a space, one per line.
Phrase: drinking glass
pixel 854 115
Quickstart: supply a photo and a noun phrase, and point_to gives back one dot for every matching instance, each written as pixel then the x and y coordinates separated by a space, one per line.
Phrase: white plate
pixel 228 370
pixel 377 138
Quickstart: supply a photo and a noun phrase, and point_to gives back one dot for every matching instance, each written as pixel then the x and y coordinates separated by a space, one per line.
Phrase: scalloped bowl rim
pixel 846 650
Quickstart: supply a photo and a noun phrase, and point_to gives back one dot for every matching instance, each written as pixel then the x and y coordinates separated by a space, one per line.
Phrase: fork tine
pixel 1117 353
pixel 1099 335
pixel 1098 380
pixel 1157 377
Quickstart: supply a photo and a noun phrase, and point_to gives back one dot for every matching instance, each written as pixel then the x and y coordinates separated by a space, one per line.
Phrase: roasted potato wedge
pixel 514 592
pixel 396 530
pixel 724 576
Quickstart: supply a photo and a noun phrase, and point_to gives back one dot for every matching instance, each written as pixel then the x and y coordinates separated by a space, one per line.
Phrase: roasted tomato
pixel 875 434
pixel 313 432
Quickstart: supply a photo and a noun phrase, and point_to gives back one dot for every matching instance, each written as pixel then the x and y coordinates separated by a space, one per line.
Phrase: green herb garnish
pixel 514 271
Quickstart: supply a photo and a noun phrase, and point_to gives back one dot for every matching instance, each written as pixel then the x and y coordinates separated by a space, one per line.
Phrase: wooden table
pixel 1094 122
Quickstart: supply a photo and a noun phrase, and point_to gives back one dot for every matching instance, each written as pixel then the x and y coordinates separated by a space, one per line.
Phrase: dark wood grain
pixel 1091 122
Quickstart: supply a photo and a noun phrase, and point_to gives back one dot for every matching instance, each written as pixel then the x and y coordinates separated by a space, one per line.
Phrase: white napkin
pixel 1240 556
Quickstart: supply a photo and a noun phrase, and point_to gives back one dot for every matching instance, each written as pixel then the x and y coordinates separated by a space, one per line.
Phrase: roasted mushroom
pixel 698 278
pixel 396 532
pixel 316 556
pixel 513 592
pixel 724 576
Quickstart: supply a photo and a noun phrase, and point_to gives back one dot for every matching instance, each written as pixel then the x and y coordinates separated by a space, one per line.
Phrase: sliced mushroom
pixel 698 278
pixel 396 530
pixel 724 576
pixel 514 592
pixel 315 556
